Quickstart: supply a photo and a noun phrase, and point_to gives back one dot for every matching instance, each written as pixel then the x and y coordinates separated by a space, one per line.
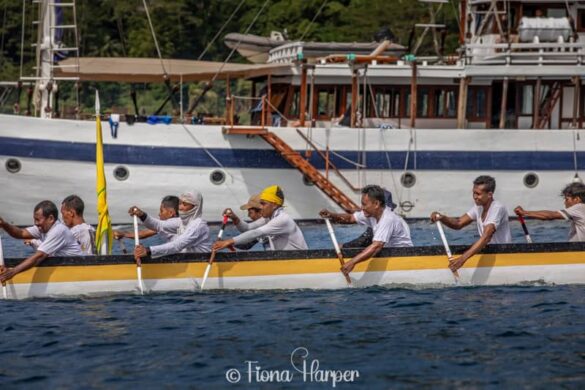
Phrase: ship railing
pixel 287 53
pixel 525 53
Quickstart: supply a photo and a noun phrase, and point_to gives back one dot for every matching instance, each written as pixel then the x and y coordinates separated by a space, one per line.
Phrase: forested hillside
pixel 110 28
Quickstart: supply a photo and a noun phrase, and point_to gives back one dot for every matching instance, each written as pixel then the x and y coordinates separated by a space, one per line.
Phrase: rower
pixel 168 211
pixel 491 217
pixel 368 235
pixel 55 238
pixel 253 207
pixel 280 229
pixel 192 232
pixel 388 228
pixel 72 209
pixel 574 211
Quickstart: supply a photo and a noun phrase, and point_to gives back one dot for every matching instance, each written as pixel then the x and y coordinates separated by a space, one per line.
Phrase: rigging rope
pixel 210 83
pixel 314 18
pixel 154 38
pixel 220 31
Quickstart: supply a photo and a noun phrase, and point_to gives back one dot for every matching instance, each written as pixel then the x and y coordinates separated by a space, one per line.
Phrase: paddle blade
pixel 205 275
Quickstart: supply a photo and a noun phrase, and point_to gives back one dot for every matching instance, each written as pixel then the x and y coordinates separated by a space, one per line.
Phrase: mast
pixel 46 40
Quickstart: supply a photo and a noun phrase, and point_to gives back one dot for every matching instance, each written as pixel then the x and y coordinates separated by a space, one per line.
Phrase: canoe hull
pixel 304 270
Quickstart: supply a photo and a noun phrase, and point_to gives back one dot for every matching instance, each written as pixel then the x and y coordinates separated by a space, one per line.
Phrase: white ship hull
pixel 57 159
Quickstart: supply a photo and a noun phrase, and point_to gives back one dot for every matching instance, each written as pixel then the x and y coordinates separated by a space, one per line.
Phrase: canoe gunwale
pixel 315 254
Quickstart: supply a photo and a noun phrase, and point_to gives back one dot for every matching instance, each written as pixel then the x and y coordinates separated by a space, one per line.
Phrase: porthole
pixel 217 177
pixel 121 173
pixel 307 181
pixel 530 180
pixel 408 179
pixel 13 165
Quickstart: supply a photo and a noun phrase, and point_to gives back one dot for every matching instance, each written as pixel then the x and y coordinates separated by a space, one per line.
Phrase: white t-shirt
pixel 497 215
pixel 282 232
pixel 390 229
pixel 84 234
pixel 58 241
pixel 575 214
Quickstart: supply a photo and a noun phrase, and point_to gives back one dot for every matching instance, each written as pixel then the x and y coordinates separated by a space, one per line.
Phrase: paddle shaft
pixel 447 248
pixel 212 257
pixel 138 261
pixel 337 249
pixel 526 234
pixel 4 291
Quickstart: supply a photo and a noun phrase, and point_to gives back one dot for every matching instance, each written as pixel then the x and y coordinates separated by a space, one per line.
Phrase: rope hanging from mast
pixel 209 84
pixel 220 31
pixel 314 18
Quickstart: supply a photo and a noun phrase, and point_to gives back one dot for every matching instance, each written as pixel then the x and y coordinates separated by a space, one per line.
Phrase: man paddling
pixel 168 211
pixel 72 209
pixel 276 225
pixel 192 232
pixel 253 207
pixel 367 236
pixel 388 228
pixel 55 238
pixel 491 217
pixel 574 211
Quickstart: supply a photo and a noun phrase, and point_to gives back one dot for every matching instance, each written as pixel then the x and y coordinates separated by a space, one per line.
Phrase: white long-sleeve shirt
pixel 167 229
pixel 194 239
pixel 282 231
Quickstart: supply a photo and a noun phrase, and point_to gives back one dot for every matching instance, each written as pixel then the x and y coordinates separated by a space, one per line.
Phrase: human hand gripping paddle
pixel 447 249
pixel 138 261
pixel 4 291
pixel 337 250
pixel 212 257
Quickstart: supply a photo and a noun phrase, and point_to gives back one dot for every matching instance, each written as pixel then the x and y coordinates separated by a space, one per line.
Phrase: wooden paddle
pixel 212 257
pixel 4 291
pixel 447 249
pixel 337 250
pixel 523 223
pixel 138 261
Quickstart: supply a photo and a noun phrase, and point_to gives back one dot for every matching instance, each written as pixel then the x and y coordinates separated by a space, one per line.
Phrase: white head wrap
pixel 196 199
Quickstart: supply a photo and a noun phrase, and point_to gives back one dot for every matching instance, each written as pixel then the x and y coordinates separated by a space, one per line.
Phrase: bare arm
pixel 369 252
pixel 15 232
pixel 543 215
pixel 32 261
pixel 485 238
pixel 453 223
pixel 337 218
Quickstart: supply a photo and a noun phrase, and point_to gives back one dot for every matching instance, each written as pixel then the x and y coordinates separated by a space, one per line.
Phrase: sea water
pixel 381 337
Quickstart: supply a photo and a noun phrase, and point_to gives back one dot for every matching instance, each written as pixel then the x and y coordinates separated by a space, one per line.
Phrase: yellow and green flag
pixel 104 234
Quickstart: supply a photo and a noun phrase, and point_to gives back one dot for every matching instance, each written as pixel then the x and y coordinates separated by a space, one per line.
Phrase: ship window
pixel 13 165
pixel 326 103
pixel 217 177
pixel 408 179
pixel 422 103
pixel 530 180
pixel 445 103
pixel 294 107
pixel 581 20
pixel 477 104
pixel 388 102
pixel 526 99
pixel 121 173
